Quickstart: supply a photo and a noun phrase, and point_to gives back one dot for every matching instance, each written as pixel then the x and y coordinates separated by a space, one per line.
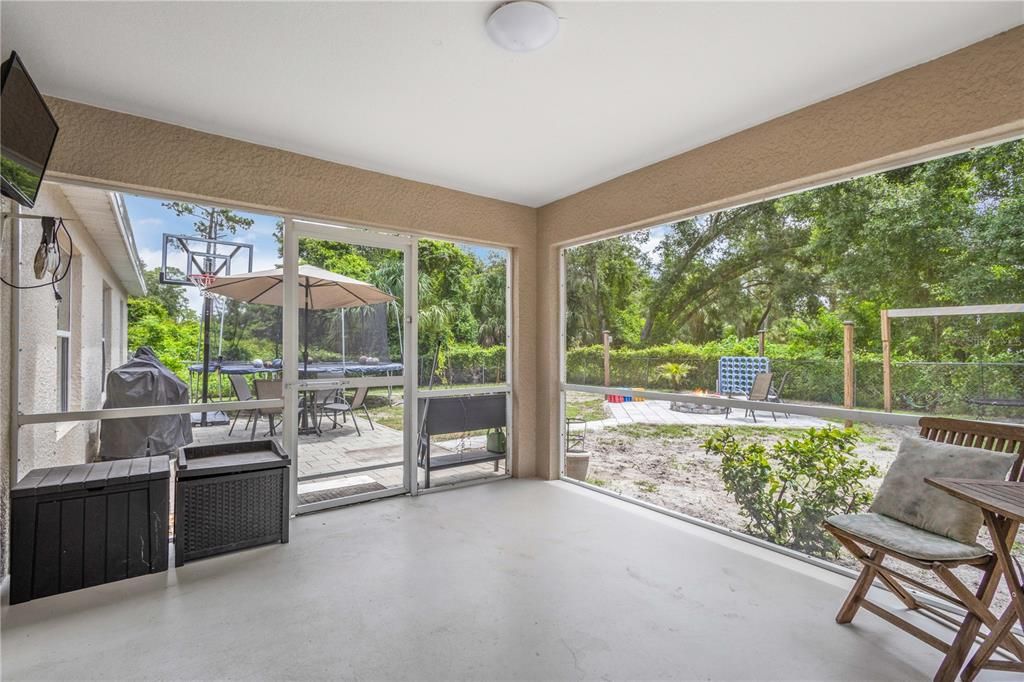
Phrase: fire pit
pixel 693 408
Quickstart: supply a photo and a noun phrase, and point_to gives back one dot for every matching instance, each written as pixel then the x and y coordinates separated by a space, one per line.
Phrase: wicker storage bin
pixel 229 496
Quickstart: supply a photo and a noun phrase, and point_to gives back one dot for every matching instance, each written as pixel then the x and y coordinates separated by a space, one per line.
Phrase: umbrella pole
pixel 305 334
pixel 343 366
pixel 305 340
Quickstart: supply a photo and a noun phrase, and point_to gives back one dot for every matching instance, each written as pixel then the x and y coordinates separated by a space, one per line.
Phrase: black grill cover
pixel 141 382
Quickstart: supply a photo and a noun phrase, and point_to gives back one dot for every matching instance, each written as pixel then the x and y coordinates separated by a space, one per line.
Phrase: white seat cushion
pixel 900 537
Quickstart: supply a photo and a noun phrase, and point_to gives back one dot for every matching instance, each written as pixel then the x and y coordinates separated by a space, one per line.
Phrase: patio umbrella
pixel 320 289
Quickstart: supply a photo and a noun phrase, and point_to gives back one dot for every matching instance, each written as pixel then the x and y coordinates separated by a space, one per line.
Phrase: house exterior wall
pixel 45 445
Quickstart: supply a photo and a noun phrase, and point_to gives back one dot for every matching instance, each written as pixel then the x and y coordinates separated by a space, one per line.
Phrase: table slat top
pixel 1005 498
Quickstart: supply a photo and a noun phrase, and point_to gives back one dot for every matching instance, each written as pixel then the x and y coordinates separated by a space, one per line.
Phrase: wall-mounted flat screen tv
pixel 27 133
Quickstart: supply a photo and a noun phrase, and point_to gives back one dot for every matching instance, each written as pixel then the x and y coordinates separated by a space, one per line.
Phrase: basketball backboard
pixel 185 255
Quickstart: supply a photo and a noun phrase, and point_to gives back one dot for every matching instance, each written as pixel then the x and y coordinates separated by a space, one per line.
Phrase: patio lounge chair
pixel 760 391
pixel 344 408
pixel 914 523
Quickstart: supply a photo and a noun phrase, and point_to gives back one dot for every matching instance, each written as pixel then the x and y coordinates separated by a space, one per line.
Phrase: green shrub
pixel 787 490
pixel 674 372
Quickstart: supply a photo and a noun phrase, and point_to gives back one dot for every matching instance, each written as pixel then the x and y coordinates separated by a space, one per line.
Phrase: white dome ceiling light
pixel 522 25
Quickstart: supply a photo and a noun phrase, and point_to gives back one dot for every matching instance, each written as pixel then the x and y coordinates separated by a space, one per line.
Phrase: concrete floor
pixel 512 580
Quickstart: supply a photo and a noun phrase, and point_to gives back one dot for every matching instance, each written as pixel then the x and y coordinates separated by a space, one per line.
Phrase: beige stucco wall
pixel 971 96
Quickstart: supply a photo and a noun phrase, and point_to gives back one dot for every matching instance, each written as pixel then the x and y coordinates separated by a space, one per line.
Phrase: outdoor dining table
pixel 1002 506
pixel 308 422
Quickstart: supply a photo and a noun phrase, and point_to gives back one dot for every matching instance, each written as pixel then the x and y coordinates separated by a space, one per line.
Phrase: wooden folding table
pixel 1002 505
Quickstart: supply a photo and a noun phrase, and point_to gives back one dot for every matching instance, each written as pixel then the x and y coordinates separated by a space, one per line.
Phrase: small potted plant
pixel 577 457
pixel 675 372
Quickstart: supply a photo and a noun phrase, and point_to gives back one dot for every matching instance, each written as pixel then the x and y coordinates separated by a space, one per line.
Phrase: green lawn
pixel 584 406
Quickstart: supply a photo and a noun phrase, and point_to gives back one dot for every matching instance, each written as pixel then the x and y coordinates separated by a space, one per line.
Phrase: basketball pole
pixel 207 315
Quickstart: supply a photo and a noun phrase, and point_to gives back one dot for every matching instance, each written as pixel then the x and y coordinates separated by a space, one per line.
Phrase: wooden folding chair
pixel 871 553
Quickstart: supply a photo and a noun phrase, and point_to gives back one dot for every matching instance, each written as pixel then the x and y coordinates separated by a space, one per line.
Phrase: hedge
pixel 935 388
pixel 939 388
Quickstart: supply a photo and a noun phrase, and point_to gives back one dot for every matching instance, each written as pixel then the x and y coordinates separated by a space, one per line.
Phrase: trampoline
pixel 315 369
pixel 353 369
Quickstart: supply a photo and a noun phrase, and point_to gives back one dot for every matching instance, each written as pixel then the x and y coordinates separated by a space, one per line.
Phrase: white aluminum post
pixel 562 338
pixel 411 366
pixel 15 339
pixel 510 301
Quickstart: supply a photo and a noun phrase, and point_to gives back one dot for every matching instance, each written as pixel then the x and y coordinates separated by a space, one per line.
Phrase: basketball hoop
pixel 202 280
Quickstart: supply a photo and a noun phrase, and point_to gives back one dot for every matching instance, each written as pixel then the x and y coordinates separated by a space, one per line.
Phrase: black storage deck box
pixel 229 496
pixel 88 524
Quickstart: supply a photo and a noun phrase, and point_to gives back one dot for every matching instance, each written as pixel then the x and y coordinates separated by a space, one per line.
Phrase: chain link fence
pixel 980 390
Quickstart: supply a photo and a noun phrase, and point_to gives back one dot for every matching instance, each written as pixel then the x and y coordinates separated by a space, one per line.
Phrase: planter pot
pixel 577 464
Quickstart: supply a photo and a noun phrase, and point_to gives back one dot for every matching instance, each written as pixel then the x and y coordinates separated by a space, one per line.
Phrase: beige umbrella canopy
pixel 319 289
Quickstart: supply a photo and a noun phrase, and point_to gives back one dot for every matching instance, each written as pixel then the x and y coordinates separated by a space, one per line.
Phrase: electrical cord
pixel 54 279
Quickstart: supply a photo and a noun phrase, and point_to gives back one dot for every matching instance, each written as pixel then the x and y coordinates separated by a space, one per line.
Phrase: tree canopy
pixel 944 232
pixel 461 301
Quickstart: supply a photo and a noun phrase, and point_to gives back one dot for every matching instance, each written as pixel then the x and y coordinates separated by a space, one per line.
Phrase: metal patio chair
pixel 345 408
pixel 267 389
pixel 775 394
pixel 760 391
pixel 874 536
pixel 242 393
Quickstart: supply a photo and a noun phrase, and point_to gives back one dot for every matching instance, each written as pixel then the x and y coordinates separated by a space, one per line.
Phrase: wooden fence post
pixel 849 385
pixel 607 339
pixel 886 364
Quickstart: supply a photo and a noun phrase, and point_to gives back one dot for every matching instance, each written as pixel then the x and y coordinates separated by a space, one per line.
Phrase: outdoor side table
pixel 230 496
pixel 88 524
pixel 1002 505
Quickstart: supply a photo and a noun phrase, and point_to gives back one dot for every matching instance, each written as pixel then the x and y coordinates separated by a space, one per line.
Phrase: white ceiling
pixel 418 90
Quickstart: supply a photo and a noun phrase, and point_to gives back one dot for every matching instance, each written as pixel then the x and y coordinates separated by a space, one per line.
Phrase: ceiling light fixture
pixel 522 25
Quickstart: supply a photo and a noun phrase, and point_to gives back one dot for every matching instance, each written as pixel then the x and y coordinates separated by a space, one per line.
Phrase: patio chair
pixel 242 393
pixel 760 390
pixel 775 394
pixel 917 524
pixel 268 389
pixel 344 408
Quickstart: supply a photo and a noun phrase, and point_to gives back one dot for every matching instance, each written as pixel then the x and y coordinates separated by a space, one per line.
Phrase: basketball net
pixel 202 280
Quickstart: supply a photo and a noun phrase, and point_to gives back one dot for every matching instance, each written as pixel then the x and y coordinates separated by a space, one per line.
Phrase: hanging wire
pixel 54 279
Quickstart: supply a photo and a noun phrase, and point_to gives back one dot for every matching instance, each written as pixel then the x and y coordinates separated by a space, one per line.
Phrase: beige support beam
pixel 886 363
pixel 849 385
